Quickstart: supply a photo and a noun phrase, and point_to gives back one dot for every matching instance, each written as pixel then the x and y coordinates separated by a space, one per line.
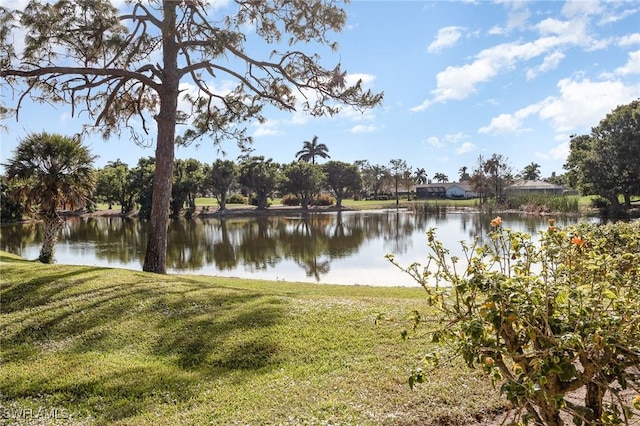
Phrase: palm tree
pixel 49 171
pixel 531 172
pixel 420 176
pixel 464 176
pixel 440 177
pixel 311 150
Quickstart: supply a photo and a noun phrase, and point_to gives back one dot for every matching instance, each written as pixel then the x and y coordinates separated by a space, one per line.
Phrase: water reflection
pixel 346 247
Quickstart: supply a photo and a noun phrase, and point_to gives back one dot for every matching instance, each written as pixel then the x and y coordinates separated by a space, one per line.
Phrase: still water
pixel 338 248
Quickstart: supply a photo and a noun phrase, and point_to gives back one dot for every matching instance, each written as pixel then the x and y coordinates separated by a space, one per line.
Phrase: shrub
pixel 543 318
pixel 254 201
pixel 237 199
pixel 322 200
pixel 290 200
pixel 599 203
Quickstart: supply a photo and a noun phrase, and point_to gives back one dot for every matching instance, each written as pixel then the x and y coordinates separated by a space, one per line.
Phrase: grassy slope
pixel 110 346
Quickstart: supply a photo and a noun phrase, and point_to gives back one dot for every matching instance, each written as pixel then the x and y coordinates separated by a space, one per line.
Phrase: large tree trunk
pixel 155 259
pixel 627 200
pixel 52 226
pixel 223 202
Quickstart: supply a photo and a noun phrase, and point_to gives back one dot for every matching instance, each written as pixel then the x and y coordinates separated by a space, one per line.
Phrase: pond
pixel 336 248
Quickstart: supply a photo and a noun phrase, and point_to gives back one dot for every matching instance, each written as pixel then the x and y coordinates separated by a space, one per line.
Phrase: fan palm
pixel 49 171
pixel 421 176
pixel 311 150
pixel 440 177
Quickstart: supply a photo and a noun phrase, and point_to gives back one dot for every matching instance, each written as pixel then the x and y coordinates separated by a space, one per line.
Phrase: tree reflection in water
pixel 346 247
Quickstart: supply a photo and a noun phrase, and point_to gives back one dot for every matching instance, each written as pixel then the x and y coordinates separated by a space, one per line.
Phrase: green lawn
pixel 109 346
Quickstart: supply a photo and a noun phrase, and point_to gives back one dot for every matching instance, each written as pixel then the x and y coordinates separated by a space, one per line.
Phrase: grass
pixel 108 346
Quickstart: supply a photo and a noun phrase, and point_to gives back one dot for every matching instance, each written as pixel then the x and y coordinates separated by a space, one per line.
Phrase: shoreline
pixel 204 212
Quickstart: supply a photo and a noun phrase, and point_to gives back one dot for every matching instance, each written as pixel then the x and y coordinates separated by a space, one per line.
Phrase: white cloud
pixel 549 63
pixel 573 8
pixel 455 137
pixel 558 152
pixel 504 123
pixel 459 82
pixel 447 37
pixel 496 30
pixel 517 17
pixel 632 66
pixel 360 128
pixel 629 39
pixel 423 106
pixel 268 128
pixel 579 105
pixel 510 123
pixel 435 142
pixel 568 32
pixel 582 104
pixel 616 16
pixel 465 148
pixel 353 114
pixel 367 79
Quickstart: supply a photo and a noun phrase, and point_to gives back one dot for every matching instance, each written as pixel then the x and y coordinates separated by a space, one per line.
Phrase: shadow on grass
pixel 38 290
pixel 113 350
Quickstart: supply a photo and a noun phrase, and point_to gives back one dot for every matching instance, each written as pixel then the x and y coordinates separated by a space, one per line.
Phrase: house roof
pixel 462 185
pixel 534 185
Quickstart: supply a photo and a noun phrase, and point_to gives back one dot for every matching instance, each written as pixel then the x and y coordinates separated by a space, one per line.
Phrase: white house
pixel 534 186
pixel 456 190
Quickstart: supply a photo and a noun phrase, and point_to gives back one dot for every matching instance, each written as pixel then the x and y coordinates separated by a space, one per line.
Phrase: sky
pixel 461 79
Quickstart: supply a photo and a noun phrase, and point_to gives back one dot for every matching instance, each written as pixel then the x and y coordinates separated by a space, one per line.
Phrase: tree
pixel 421 176
pixel 491 177
pixel 341 178
pixel 260 176
pixel 112 184
pixel 122 68
pixel 219 178
pixel 462 173
pixel 188 180
pixel 397 170
pixel 440 177
pixel 140 186
pixel 606 162
pixel 311 150
pixel 50 171
pixel 305 180
pixel 407 182
pixel 531 172
pixel 556 179
pixel 10 209
pixel 373 176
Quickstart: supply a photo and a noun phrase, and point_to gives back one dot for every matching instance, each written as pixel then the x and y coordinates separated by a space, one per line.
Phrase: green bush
pixel 237 199
pixel 254 201
pixel 599 203
pixel 322 200
pixel 543 318
pixel 290 200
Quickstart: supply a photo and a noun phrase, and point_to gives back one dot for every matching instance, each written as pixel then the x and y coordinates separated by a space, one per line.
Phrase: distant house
pixel 458 190
pixel 534 187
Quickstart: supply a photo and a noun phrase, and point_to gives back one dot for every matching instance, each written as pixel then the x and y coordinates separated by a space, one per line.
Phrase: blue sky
pixel 460 79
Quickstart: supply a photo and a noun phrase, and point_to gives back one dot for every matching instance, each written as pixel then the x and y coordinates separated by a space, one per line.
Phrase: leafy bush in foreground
pixel 543 318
